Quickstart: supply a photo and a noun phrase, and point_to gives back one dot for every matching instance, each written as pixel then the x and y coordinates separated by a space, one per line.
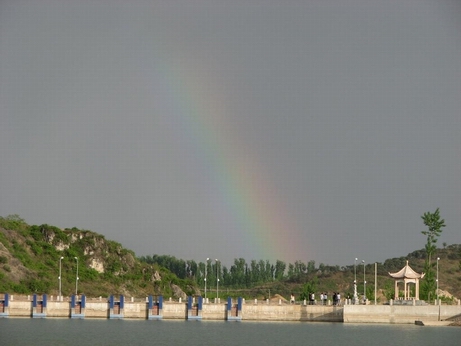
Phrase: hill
pixel 30 261
pixel 340 279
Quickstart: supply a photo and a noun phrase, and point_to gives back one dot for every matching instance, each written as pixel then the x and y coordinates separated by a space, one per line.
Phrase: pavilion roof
pixel 407 272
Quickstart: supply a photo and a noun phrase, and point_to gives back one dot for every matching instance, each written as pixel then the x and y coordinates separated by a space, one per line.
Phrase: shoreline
pixel 155 308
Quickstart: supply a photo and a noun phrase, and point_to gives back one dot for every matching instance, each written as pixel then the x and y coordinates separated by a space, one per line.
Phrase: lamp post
pixel 76 278
pixel 437 281
pixel 364 284
pixel 355 282
pixel 376 279
pixel 59 278
pixel 206 265
pixel 217 281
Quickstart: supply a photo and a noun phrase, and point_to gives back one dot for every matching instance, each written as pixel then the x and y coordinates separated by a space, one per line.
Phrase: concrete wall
pixel 266 312
pixel 96 309
pixel 251 311
pixel 57 309
pixel 214 311
pixel 20 308
pixel 135 310
pixel 398 313
pixel 175 310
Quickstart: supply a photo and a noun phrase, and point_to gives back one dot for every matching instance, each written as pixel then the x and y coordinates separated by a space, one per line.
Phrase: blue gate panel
pixel 160 302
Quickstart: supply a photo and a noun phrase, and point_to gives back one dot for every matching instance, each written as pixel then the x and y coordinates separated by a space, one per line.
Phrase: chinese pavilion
pixel 408 276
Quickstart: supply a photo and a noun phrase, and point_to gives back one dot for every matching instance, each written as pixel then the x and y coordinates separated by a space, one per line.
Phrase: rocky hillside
pixel 31 256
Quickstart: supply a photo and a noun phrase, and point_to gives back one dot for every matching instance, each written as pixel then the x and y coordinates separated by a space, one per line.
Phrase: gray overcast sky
pixel 310 130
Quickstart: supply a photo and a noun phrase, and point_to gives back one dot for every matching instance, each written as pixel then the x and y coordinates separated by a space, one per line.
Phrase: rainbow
pixel 240 189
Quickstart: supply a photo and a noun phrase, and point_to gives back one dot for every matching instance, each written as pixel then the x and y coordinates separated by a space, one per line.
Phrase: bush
pixel 38 286
pixel 13 222
pixel 35 233
pixel 35 247
pixel 88 274
pixel 19 288
pixel 4 241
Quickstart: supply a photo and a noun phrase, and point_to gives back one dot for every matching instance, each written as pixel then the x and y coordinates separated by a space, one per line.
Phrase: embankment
pixel 243 311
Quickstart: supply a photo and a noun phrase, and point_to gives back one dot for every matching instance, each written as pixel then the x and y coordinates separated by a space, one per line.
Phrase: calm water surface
pixel 17 331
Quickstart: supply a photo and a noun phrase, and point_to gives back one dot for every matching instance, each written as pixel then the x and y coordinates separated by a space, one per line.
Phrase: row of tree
pixel 240 274
pixel 246 275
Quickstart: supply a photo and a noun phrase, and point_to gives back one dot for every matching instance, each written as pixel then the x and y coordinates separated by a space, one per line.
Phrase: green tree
pixel 291 270
pixel 434 228
pixel 254 271
pixel 311 267
pixel 237 272
pixel 389 290
pixel 308 288
pixel 280 267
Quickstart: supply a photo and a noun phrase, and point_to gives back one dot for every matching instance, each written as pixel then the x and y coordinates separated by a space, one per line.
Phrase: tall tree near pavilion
pixel 434 229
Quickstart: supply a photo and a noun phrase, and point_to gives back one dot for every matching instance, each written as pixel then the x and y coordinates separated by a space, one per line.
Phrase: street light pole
pixel 364 284
pixel 438 302
pixel 206 265
pixel 76 279
pixel 59 278
pixel 355 282
pixel 437 280
pixel 217 281
pixel 376 279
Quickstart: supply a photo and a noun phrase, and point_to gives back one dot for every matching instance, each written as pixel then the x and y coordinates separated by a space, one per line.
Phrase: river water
pixel 28 331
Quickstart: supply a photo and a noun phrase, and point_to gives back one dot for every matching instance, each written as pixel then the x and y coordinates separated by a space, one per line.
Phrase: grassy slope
pixel 30 261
